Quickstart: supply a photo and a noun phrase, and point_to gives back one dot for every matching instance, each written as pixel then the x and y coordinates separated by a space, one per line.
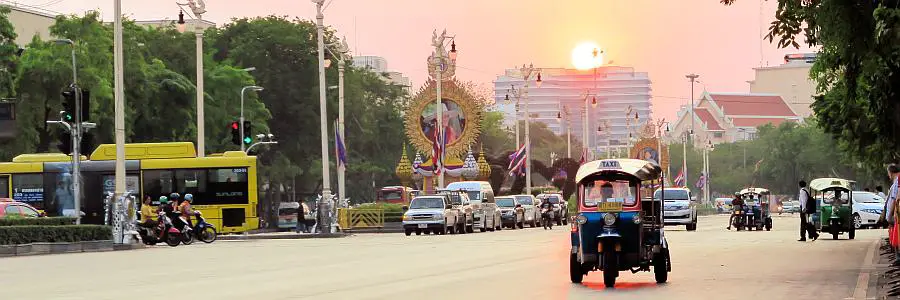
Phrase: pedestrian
pixel 807 208
pixel 301 218
pixel 891 212
pixel 880 192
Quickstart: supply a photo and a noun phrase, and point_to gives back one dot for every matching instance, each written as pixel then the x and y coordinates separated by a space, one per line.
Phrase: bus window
pixel 4 186
pixel 158 183
pixel 225 186
pixel 29 188
pixel 191 181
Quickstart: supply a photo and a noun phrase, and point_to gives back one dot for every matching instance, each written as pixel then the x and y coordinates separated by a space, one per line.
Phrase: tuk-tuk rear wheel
pixel 576 272
pixel 660 266
pixel 852 233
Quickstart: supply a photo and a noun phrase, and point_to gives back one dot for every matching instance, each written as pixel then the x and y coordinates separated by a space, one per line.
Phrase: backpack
pixel 810 202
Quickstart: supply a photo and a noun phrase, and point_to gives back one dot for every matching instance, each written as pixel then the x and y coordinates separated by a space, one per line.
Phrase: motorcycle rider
pixel 736 205
pixel 173 212
pixel 186 210
pixel 148 214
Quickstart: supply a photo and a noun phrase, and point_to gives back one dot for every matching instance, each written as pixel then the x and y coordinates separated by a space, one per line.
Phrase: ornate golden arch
pixel 451 90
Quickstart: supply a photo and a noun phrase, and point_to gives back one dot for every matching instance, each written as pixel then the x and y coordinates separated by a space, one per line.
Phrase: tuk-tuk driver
pixel 837 198
pixel 606 191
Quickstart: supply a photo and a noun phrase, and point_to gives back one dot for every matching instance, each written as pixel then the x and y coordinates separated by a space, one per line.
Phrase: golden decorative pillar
pixel 404 169
pixel 484 169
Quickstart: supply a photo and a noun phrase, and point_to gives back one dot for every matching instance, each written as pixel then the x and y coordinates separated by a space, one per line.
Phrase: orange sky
pixel 666 38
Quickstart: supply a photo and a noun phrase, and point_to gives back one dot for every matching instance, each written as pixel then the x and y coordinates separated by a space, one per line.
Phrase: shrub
pixel 12 235
pixel 53 221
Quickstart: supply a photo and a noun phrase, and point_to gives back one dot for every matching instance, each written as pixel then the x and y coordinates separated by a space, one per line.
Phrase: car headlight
pixel 438 217
pixel 872 211
pixel 406 217
pixel 580 219
pixel 609 219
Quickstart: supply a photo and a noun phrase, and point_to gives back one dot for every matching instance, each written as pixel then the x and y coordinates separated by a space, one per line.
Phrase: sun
pixel 583 57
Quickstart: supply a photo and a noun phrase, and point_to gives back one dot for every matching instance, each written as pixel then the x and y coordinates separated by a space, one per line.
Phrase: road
pixel 711 263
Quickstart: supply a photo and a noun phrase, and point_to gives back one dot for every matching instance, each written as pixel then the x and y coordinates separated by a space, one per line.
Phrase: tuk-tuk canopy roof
pixel 758 191
pixel 642 169
pixel 821 184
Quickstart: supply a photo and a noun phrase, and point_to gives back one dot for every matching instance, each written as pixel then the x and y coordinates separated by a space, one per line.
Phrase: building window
pixel 717 135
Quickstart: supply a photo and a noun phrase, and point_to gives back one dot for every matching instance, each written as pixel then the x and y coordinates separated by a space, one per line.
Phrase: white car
pixel 679 207
pixel 532 214
pixel 867 208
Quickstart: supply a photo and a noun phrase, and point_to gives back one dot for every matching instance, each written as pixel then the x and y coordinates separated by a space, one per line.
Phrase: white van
pixel 481 196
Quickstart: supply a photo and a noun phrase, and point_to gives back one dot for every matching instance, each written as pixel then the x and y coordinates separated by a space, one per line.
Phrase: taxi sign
pixel 610 164
pixel 609 206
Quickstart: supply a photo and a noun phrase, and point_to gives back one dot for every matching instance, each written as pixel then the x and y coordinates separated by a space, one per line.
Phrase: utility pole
pixel 119 95
pixel 693 77
pixel 325 204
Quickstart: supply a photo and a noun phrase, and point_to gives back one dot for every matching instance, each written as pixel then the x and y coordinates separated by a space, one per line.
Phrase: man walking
pixel 891 210
pixel 807 208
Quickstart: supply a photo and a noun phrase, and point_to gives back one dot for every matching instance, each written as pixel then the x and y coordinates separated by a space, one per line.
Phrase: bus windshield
pixel 608 191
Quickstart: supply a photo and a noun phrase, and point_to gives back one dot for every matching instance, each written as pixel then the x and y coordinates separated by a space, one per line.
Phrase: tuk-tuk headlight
pixel 637 219
pixel 580 219
pixel 609 219
pixel 835 209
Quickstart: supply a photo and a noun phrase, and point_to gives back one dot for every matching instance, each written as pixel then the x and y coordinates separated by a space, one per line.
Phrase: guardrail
pixel 354 218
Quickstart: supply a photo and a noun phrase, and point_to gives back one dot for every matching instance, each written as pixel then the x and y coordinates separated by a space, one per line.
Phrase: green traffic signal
pixel 67 116
pixel 248 140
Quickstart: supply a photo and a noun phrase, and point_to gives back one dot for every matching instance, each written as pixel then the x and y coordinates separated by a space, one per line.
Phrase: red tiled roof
pixel 707 117
pixel 753 105
pixel 755 122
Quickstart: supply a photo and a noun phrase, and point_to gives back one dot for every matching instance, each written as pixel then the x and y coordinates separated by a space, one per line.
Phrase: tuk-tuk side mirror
pixel 405 208
pixel 518 205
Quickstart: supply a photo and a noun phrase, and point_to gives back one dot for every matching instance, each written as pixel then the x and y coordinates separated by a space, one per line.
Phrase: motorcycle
pixel 738 218
pixel 164 232
pixel 547 218
pixel 202 230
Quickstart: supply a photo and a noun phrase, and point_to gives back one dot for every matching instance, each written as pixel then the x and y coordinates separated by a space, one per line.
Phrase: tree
pixel 857 70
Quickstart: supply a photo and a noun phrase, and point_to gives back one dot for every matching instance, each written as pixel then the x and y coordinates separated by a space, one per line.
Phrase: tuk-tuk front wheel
pixel 576 272
pixel 852 233
pixel 610 268
pixel 660 266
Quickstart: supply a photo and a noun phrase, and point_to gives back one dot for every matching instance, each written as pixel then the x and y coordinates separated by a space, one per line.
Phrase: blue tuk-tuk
pixel 619 226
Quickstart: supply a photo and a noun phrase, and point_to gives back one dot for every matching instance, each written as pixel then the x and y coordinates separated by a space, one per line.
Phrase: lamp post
pixel 517 95
pixel 326 203
pixel 244 91
pixel 198 8
pixel 568 123
pixel 439 64
pixel 527 72
pixel 342 49
pixel 119 95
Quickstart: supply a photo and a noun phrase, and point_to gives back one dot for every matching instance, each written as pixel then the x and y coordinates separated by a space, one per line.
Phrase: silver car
pixel 532 214
pixel 428 214
pixel 679 208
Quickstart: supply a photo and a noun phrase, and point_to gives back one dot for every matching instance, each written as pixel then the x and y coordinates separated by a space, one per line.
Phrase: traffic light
pixel 85 106
pixel 65 141
pixel 87 143
pixel 248 138
pixel 235 132
pixel 68 106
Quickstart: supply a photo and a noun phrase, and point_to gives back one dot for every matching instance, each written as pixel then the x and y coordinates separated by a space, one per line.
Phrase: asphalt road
pixel 711 263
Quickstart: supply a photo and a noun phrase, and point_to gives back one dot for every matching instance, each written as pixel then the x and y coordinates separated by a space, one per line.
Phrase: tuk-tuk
pixel 619 226
pixel 757 202
pixel 834 209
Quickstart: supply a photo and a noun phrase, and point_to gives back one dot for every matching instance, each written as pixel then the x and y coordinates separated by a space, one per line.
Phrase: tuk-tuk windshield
pixel 831 195
pixel 609 191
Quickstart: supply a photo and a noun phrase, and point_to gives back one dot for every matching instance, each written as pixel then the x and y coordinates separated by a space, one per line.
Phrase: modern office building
pixel 615 88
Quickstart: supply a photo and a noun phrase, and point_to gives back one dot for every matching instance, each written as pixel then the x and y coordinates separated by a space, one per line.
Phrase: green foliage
pixel 14 235
pixel 857 70
pixel 51 221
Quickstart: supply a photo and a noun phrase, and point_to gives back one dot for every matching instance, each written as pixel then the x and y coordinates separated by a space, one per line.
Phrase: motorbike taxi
pixel 834 208
pixel 619 226
pixel 757 215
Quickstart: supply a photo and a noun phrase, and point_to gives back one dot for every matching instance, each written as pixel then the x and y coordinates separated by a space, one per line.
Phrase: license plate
pixel 609 206
pixel 423 225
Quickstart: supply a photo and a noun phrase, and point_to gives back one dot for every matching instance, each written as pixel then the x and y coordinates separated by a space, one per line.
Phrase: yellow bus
pixel 224 185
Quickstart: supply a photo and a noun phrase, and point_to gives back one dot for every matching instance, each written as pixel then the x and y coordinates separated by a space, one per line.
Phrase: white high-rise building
pixel 615 88
pixel 379 65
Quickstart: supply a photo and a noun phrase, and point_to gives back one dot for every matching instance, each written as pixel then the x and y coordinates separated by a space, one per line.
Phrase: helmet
pixel 163 199
pixel 174 196
pixel 188 197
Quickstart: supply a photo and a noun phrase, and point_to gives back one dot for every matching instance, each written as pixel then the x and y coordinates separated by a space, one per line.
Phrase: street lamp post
pixel 527 72
pixel 244 91
pixel 689 137
pixel 517 95
pixel 440 67
pixel 198 8
pixel 326 203
pixel 119 94
pixel 342 49
pixel 568 123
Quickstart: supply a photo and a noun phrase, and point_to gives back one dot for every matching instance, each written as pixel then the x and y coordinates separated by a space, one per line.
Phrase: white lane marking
pixel 862 282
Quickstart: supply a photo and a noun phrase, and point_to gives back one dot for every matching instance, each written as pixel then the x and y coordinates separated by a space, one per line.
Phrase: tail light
pixel 574 227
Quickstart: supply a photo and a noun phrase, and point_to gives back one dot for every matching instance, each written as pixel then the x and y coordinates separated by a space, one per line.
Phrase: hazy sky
pixel 667 38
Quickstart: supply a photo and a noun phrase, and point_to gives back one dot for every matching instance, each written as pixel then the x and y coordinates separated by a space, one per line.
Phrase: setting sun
pixel 583 57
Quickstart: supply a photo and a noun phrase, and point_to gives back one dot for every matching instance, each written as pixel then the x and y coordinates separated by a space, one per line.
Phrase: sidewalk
pixel 886 284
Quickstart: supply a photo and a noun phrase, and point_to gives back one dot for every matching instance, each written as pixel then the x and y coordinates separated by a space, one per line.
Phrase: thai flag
pixel 515 156
pixel 340 151
pixel 701 182
pixel 679 180
pixel 583 155
pixel 517 161
pixel 437 153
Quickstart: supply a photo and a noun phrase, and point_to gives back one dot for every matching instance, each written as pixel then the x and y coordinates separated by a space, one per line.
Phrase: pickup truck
pixel 432 213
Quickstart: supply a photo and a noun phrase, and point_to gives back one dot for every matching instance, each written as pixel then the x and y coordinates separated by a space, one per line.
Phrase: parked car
pixel 787 207
pixel 12 209
pixel 795 205
pixel 560 208
pixel 433 213
pixel 512 214
pixel 867 208
pixel 464 208
pixel 679 208
pixel 481 195
pixel 532 214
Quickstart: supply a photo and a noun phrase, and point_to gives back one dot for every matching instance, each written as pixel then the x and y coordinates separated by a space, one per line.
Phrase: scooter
pixel 204 231
pixel 164 232
pixel 547 218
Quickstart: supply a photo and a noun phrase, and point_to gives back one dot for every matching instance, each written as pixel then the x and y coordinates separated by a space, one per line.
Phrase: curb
pixel 60 248
pixel 291 236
